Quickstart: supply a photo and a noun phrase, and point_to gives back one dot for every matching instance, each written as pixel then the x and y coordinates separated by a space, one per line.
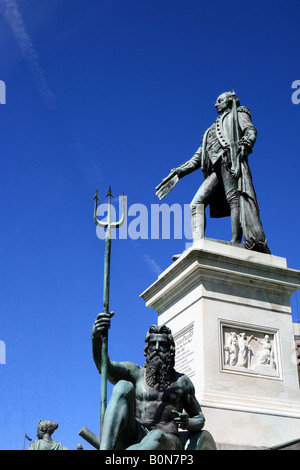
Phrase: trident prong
pixel 123 199
pixel 104 348
pixel 108 224
pixel 96 199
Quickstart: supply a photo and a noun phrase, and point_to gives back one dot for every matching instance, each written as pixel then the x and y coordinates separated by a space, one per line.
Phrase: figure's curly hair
pixel 162 329
pixel 230 95
pixel 47 426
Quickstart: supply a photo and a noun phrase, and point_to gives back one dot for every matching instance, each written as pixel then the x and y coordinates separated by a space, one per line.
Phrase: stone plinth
pixel 229 311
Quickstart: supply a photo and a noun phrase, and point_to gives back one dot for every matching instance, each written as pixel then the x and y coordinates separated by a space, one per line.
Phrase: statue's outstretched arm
pixel 191 165
pixel 175 174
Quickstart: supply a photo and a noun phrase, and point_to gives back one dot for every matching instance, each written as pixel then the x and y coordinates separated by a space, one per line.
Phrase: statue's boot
pixel 236 228
pixel 237 233
pixel 198 225
pixel 198 222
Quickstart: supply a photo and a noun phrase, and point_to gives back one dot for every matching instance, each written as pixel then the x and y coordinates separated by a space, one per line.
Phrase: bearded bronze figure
pixel 148 404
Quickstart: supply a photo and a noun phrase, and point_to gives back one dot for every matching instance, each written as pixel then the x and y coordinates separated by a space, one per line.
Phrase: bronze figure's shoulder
pixel 243 109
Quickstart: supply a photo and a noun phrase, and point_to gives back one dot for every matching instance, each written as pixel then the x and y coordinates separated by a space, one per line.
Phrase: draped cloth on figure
pixel 213 151
pixel 45 444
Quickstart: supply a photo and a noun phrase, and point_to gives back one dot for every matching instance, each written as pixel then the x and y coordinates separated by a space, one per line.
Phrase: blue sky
pixel 118 92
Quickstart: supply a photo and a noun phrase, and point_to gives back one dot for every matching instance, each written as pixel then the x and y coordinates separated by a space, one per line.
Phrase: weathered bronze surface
pixel 149 403
pixel 227 187
pixel 44 440
pixel 108 225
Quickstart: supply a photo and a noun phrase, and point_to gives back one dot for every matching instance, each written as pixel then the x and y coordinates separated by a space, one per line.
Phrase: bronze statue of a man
pixel 44 440
pixel 147 403
pixel 227 186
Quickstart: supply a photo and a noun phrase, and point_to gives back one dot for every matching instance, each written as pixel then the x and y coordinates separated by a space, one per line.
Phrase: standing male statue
pixel 147 403
pixel 227 186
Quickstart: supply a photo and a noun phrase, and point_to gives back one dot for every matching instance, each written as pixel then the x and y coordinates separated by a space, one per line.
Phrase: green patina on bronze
pixel 108 225
pixel 227 187
pixel 44 440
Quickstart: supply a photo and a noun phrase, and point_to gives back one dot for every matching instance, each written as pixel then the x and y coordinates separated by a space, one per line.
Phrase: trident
pixel 108 225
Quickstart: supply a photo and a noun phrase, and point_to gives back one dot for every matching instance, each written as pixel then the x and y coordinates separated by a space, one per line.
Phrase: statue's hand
pixel 244 150
pixel 177 171
pixel 182 419
pixel 236 173
pixel 102 324
pixel 236 170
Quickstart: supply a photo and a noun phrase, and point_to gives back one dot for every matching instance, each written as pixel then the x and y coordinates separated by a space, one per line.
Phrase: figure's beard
pixel 159 369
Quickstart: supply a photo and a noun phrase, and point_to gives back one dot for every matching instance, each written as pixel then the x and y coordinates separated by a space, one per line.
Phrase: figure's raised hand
pixel 102 324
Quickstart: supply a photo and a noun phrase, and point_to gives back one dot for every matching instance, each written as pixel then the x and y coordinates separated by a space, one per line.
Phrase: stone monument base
pixel 230 315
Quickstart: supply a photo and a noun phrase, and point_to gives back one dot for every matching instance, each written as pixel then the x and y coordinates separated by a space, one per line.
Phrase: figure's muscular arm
pixel 193 420
pixel 115 370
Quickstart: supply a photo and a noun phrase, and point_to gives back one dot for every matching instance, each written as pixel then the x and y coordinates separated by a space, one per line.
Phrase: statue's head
pixel 160 353
pixel 224 101
pixel 159 338
pixel 46 427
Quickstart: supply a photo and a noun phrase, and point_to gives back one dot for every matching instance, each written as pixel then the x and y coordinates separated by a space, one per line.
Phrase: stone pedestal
pixel 229 312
